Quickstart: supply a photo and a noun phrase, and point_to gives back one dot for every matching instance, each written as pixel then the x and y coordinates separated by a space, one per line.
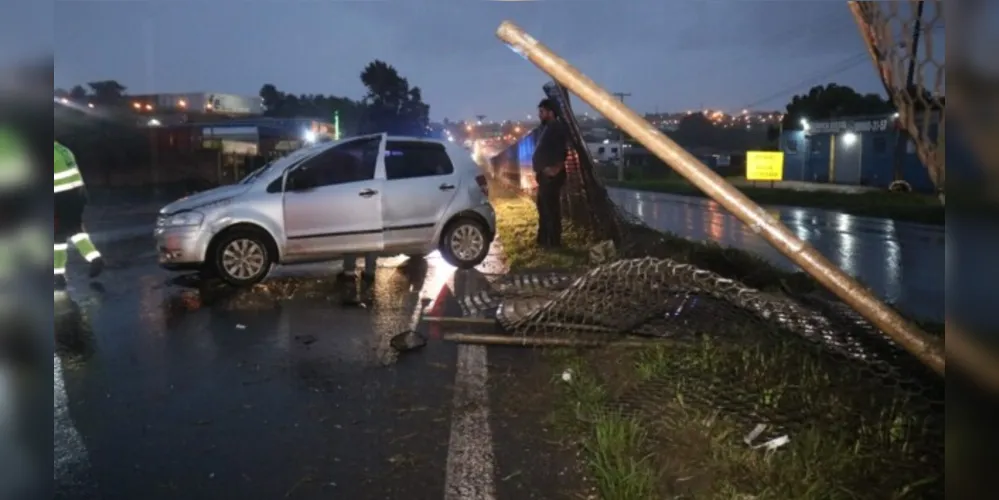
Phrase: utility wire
pixel 840 67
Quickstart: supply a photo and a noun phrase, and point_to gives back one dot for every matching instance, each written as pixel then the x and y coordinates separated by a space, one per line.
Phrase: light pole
pixel 620 140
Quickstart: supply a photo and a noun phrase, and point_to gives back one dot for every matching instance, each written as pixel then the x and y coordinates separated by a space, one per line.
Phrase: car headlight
pixel 182 219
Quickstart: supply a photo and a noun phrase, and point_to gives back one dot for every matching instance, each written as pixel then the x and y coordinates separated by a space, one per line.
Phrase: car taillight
pixel 483 185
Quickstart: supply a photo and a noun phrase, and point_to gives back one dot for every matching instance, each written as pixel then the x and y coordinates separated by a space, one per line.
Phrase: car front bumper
pixel 181 248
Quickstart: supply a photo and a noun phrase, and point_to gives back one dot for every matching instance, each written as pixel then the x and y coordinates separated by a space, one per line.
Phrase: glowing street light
pixel 804 124
pixel 849 138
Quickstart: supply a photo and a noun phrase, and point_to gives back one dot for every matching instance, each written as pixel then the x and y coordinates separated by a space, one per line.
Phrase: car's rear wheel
pixel 465 243
pixel 241 257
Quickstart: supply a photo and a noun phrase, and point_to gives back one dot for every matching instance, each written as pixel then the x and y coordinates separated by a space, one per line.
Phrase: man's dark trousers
pixel 550 210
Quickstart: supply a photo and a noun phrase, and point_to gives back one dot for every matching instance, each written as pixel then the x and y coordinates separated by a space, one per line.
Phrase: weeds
pixel 670 422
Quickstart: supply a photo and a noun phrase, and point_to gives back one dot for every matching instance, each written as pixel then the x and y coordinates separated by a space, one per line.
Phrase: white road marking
pixel 470 461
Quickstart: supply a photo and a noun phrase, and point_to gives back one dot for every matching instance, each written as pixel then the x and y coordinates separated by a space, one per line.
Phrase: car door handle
pixel 367 193
pixel 446 187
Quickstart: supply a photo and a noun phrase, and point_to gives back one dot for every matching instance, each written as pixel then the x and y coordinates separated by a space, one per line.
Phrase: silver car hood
pixel 203 198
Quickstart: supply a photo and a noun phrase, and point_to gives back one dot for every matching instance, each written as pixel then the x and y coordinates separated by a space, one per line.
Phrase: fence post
pixel 761 222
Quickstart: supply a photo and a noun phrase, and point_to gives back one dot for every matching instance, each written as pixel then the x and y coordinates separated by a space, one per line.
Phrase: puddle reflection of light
pixel 848 243
pixel 894 261
pixel 798 220
pixel 640 207
pixel 717 224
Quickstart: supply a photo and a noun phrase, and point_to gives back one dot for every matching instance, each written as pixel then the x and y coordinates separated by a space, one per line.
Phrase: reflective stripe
pixel 78 237
pixel 68 186
pixel 92 255
pixel 68 180
pixel 67 173
pixel 60 270
pixel 60 246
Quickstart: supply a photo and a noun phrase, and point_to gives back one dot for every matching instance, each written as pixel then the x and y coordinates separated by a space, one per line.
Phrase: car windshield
pixel 291 159
pixel 256 173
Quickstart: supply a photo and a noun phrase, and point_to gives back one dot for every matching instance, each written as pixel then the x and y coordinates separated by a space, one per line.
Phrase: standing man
pixel 70 200
pixel 549 170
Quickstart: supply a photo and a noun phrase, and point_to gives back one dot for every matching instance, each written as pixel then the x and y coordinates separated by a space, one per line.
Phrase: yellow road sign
pixel 764 165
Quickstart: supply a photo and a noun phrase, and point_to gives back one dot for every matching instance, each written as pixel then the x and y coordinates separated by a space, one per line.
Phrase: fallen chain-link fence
pixel 796 361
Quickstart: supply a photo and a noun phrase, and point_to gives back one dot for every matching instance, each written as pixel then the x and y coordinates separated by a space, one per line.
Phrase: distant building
pixel 197 103
pixel 861 151
pixel 249 136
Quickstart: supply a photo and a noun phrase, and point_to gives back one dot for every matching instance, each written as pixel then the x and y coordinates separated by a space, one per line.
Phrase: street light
pixel 804 124
pixel 849 138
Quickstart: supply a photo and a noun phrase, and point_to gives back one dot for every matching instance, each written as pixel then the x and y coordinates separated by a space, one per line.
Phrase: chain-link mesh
pixel 800 362
pixel 905 39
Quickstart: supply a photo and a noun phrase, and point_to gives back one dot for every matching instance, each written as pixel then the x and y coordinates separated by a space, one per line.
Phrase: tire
pixel 248 246
pixel 465 243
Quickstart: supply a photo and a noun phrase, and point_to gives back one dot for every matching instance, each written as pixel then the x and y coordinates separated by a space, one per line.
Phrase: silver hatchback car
pixel 377 194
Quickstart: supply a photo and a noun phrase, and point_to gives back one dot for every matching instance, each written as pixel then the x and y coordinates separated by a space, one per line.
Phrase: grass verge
pixel 517 230
pixel 670 423
pixel 910 207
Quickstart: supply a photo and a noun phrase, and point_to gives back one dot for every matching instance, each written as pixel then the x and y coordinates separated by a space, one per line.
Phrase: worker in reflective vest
pixel 70 200
pixel 22 241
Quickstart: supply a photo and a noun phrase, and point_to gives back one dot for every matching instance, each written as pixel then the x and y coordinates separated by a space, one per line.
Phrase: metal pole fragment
pixel 516 340
pixel 904 332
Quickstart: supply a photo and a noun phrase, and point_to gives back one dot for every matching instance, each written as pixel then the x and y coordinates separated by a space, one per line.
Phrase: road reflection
pixel 902 263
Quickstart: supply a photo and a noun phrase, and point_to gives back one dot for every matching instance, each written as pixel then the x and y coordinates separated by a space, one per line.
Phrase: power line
pixel 838 68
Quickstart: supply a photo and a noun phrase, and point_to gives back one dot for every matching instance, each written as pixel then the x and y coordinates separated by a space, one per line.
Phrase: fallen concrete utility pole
pixel 517 340
pixel 905 333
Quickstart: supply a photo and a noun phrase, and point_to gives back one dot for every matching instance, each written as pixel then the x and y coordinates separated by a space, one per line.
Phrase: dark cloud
pixel 668 54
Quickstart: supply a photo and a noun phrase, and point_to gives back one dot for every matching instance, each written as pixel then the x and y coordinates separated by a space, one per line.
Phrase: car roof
pixel 408 138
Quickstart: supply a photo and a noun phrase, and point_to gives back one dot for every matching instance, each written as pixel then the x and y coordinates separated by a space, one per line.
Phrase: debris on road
pixel 603 252
pixel 407 341
pixel 305 339
pixel 769 445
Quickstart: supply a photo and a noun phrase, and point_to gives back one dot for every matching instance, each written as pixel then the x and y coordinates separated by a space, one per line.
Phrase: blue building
pixel 861 151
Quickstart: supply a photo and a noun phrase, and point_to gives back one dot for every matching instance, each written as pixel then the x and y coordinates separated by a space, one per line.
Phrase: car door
pixel 332 202
pixel 420 182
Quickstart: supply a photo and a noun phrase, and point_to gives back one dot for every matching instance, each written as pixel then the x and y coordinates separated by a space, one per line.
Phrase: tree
pixel 833 101
pixel 317 106
pixel 392 106
pixel 108 91
pixel 696 130
pixel 78 92
pixel 272 98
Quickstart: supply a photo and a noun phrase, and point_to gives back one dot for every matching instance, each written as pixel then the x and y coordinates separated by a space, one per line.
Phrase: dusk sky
pixel 670 55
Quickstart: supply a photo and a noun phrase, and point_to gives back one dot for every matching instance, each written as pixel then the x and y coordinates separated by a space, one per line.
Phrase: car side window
pixel 408 160
pixel 343 164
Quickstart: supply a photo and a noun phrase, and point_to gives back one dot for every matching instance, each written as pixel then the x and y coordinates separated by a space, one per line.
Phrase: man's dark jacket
pixel 550 150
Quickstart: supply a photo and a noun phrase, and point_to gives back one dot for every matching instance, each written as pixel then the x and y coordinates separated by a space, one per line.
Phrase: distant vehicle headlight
pixel 182 219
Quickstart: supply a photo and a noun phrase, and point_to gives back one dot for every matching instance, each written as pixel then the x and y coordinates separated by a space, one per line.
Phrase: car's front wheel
pixel 465 243
pixel 241 258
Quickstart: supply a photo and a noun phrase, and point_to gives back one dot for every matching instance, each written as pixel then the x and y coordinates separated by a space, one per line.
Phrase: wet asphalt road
pixel 174 388
pixel 902 262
